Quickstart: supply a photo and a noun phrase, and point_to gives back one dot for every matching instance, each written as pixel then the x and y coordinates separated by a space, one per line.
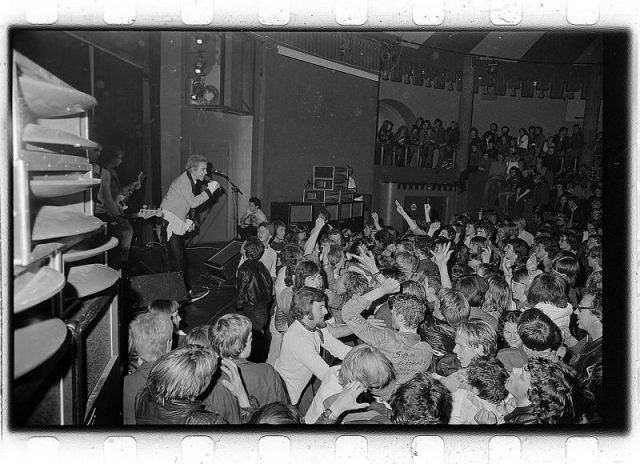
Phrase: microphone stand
pixel 235 190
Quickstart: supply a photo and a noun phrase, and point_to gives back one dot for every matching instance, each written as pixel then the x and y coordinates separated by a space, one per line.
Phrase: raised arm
pixel 363 329
pixel 410 222
pixel 376 220
pixel 441 257
pixel 427 212
pixel 313 236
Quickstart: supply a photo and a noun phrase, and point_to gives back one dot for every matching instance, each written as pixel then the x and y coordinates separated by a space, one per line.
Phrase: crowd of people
pixel 424 145
pixel 485 319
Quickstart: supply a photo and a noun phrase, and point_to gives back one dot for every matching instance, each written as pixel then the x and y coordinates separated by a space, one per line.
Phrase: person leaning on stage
pixel 177 202
pixel 254 284
pixel 150 336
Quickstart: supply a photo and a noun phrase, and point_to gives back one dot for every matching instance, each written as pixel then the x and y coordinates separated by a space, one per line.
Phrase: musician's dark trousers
pixel 120 228
pixel 178 257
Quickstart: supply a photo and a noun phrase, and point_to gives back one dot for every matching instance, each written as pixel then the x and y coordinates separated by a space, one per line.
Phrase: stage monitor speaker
pixel 224 262
pixel 165 286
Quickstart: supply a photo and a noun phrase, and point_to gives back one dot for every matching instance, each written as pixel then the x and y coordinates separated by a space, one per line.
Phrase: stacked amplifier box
pixel 330 184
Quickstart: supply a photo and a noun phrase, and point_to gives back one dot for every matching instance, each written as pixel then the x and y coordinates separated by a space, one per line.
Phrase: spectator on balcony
pixel 503 141
pixel 440 142
pixel 400 142
pixel 490 136
pixel 385 134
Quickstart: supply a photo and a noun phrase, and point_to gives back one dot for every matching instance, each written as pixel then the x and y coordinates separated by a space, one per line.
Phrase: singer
pixel 182 196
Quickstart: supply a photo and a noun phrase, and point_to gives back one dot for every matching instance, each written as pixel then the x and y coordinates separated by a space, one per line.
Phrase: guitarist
pixel 181 197
pixel 107 206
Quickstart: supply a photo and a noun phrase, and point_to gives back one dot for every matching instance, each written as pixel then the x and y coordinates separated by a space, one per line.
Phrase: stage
pixel 152 263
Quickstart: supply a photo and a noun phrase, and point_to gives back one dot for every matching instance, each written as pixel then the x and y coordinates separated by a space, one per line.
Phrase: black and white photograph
pixel 325 228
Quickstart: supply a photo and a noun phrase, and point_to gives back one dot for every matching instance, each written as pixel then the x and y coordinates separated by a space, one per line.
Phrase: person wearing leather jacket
pixel 254 284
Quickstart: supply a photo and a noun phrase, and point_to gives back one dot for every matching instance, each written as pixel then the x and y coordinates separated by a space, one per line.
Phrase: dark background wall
pixel 315 116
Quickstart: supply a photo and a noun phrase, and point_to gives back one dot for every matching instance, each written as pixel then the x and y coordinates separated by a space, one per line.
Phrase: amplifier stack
pixel 330 185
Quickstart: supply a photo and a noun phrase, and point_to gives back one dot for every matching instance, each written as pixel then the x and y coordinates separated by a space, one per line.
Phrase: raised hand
pixel 379 323
pixel 435 225
pixel 366 259
pixel 390 286
pixel 320 222
pixel 442 254
pixel 234 384
pixel 486 255
pixel 399 208
pixel 532 263
pixel 347 399
pixel 375 217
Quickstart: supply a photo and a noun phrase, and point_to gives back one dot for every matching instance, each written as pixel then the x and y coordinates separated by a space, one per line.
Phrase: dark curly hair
pixel 549 245
pixel 521 250
pixel 422 400
pixel 488 376
pixel 291 256
pixel 537 330
pixel 551 392
pixel 253 248
pixel 304 269
pixel 411 308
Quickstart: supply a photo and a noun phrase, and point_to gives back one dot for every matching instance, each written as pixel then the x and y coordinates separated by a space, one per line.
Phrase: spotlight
pixel 198 65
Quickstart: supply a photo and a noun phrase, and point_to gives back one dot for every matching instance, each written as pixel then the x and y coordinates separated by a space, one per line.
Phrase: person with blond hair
pixel 150 336
pixel 176 203
pixel 364 364
pixel 177 381
pixel 230 338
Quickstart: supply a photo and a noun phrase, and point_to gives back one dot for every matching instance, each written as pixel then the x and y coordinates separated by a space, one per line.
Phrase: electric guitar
pixel 147 213
pixel 123 198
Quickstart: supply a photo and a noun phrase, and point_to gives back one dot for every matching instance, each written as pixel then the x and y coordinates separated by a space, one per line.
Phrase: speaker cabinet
pixel 224 263
pixel 346 211
pixel 165 286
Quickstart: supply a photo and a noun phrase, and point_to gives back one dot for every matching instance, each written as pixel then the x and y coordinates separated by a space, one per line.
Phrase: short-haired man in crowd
pixel 364 364
pixel 250 220
pixel 150 336
pixel 401 344
pixel 231 337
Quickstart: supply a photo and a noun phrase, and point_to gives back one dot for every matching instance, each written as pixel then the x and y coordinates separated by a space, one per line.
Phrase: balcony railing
pixel 414 155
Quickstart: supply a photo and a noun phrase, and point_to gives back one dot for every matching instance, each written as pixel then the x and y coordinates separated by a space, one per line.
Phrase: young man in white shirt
pixel 250 220
pixel 300 356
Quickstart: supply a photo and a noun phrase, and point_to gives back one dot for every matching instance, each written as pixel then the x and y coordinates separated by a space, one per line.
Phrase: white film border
pixel 390 445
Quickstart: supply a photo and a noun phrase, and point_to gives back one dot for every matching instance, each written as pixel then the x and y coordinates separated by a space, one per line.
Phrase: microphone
pixel 220 173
